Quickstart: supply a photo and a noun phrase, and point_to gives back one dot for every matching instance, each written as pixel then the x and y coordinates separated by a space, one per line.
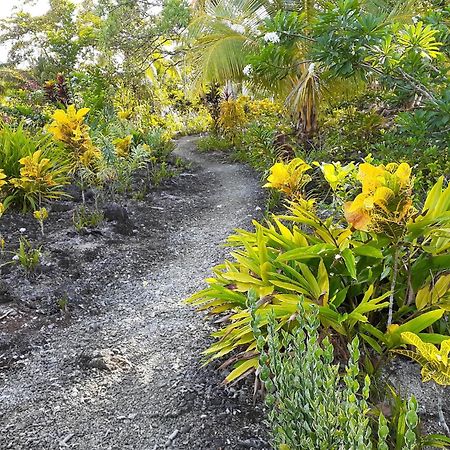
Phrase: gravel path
pixel 130 377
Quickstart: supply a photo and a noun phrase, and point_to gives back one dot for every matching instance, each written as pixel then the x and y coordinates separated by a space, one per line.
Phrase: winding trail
pixel 158 395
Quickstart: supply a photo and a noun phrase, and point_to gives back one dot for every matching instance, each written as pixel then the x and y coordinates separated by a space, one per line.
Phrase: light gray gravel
pixel 130 377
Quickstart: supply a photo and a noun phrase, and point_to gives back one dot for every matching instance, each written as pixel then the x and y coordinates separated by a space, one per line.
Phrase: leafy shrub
pixel 84 217
pixel 312 406
pixel 348 133
pixel 157 140
pixel 365 279
pixel 34 169
pixel 435 363
pixel 69 128
pixel 231 117
pixel 27 255
pixel 214 142
pixel 308 408
pixel 257 146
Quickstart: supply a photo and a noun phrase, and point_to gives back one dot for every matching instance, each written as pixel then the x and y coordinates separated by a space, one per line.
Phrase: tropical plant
pixel 85 218
pixel 364 282
pixel 231 117
pixel 213 143
pixel 123 146
pixel 69 128
pixel 434 362
pixel 33 169
pixel 311 405
pixel 27 255
pixel 41 215
pixel 307 406
pixel 289 178
pixel 39 181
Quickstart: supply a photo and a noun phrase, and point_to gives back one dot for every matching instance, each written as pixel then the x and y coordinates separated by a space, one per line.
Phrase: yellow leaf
pixel 423 297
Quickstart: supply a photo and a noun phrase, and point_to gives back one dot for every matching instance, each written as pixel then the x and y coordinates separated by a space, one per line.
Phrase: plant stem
pixel 393 283
pixel 441 413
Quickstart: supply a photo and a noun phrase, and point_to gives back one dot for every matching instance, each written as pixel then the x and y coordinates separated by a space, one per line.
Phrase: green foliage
pixel 434 362
pixel 27 255
pixel 308 407
pixel 85 218
pixel 35 168
pixel 363 282
pixel 315 404
pixel 213 143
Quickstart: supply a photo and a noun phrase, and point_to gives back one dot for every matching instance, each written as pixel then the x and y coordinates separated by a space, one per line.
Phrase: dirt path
pixel 157 395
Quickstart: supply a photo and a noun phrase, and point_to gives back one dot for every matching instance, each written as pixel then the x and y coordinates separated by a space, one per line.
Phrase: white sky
pixel 7 7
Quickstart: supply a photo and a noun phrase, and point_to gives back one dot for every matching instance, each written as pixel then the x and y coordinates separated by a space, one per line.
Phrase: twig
pixel 63 442
pixel 7 313
pixel 393 283
pixel 441 413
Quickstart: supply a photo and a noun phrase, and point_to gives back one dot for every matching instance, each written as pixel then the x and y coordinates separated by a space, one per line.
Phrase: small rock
pixel 61 207
pixel 115 212
pixel 104 360
pixel 6 293
pixel 74 192
pixel 171 438
pixel 252 443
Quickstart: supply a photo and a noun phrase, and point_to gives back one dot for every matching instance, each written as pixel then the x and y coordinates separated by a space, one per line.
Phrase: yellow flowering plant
pixel 39 180
pixel 363 277
pixel 69 127
pixel 231 117
pixel 41 215
pixel 125 113
pixel 289 178
pixel 435 362
pixel 3 182
pixel 385 203
pixel 336 174
pixel 2 178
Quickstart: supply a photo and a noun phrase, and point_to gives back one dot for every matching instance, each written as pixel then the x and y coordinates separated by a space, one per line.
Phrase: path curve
pixel 165 399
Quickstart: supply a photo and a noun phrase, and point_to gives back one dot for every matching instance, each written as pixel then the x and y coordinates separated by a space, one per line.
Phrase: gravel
pixel 121 369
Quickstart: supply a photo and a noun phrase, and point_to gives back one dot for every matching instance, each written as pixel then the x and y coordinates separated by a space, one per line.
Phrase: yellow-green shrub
pixel 363 281
pixel 69 127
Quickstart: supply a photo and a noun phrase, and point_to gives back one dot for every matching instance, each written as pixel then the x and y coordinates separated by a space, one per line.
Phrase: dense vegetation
pixel 341 106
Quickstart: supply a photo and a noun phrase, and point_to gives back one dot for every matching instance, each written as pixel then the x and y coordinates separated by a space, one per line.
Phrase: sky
pixel 8 6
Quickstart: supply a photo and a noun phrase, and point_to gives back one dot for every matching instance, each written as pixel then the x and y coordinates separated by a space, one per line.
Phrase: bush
pixel 364 272
pixel 213 143
pixel 312 406
pixel 34 168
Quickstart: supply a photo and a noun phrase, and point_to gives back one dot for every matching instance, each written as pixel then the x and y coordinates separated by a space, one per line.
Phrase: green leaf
pixel 350 263
pixel 372 342
pixel 302 253
pixel 415 325
pixel 368 250
pixel 241 369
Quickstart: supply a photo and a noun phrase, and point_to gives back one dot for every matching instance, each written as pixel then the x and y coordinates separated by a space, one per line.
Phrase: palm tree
pixel 225 33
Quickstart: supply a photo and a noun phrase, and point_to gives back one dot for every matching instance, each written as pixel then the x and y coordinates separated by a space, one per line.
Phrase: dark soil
pixel 96 349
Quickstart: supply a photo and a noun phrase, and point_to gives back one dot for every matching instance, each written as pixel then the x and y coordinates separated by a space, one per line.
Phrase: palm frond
pixel 397 11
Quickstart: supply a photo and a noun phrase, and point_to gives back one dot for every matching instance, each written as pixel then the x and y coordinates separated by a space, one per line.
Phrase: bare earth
pixel 126 373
